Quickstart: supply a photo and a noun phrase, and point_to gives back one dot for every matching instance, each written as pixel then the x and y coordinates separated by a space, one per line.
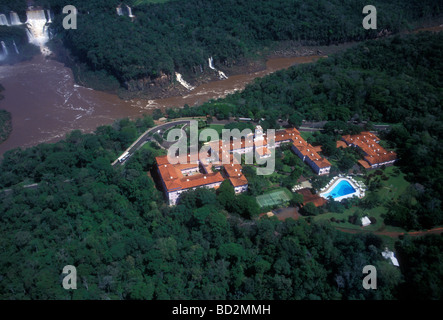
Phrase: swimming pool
pixel 341 189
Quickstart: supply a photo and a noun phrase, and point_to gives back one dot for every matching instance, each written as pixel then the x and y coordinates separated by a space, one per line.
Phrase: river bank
pixel 46 103
pixel 167 86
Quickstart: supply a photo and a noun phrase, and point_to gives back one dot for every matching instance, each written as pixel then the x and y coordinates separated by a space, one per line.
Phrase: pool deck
pixel 358 186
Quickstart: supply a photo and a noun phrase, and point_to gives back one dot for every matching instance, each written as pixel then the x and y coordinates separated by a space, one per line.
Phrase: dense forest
pixel 5 120
pixel 397 81
pixel 64 204
pixel 182 35
pixel 114 226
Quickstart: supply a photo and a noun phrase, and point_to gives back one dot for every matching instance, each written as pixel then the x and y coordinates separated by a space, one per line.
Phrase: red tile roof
pixel 308 150
pixel 286 135
pixel 308 196
pixel 364 164
pixel 200 180
pixel 368 142
pixel 174 179
pixel 235 174
pixel 263 151
pixel 341 144
pixel 317 149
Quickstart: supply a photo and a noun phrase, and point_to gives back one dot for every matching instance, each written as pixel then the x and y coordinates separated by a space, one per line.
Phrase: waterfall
pixel 15 47
pixel 183 82
pixel 37 29
pixel 221 74
pixel 211 63
pixel 15 20
pixel 4 51
pixel 3 20
pixel 129 11
pixel 48 12
pixel 120 11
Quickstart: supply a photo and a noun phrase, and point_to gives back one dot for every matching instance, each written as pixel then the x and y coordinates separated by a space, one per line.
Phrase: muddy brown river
pixel 45 103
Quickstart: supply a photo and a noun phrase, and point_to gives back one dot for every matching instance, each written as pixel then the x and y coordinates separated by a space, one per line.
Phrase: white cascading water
pixel 221 74
pixel 5 49
pixel 3 20
pixel 119 11
pixel 129 11
pixel 37 29
pixel 15 47
pixel 183 82
pixel 4 53
pixel 211 63
pixel 15 20
pixel 48 13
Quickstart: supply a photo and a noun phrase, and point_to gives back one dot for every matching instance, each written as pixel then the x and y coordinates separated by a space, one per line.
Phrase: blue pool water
pixel 343 188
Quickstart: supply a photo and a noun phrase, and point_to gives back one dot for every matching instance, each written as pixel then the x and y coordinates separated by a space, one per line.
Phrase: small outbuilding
pixel 390 255
pixel 365 221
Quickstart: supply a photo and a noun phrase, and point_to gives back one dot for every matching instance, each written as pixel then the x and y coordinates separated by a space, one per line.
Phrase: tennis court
pixel 273 198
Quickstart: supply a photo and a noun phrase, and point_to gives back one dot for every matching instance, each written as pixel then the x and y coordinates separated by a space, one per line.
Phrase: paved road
pixel 28 186
pixel 393 234
pixel 147 136
pixel 318 125
pixel 160 129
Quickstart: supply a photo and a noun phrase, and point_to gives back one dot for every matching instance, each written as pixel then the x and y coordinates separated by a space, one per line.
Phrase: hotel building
pixel 189 175
pixel 374 154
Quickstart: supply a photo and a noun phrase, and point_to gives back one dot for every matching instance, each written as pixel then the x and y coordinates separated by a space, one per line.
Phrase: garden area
pixel 385 187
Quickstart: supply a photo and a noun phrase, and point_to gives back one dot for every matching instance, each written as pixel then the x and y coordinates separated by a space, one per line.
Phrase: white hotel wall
pixel 175 195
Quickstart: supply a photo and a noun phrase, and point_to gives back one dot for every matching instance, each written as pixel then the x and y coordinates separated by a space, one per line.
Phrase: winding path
pixel 146 136
pixel 394 234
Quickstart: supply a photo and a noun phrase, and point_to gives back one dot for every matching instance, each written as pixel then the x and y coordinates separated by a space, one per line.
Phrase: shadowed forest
pixel 182 35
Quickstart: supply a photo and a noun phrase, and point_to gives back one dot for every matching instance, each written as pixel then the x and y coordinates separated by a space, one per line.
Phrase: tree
pixel 297 199
pixel 371 200
pixel 356 217
pixel 328 144
pixel 295 119
pixel 246 206
pixel 346 163
pixel 310 209
pixel 334 206
pixel 157 114
pixel 226 195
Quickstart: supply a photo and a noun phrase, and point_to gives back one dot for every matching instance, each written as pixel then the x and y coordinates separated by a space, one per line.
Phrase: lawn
pixel 165 133
pixel 394 186
pixel 217 127
pixel 307 134
pixel 390 191
pixel 275 177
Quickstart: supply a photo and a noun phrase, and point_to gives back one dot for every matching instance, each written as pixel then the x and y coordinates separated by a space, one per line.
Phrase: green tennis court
pixel 273 198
